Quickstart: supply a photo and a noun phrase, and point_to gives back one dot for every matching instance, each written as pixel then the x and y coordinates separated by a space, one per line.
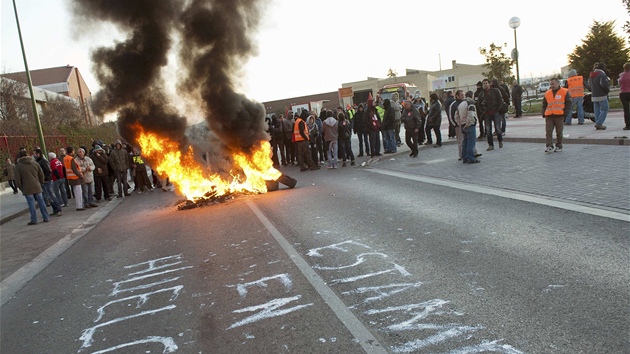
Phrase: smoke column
pixel 215 40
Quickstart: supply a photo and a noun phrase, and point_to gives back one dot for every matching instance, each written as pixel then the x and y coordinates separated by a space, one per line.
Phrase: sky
pixel 313 46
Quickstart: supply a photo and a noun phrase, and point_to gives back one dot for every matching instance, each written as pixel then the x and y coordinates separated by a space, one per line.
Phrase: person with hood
pixel 119 160
pixel 434 120
pixel 100 159
pixel 139 168
pixel 29 178
pixel 9 173
pixel 411 119
pixel 555 105
pixel 599 84
pixel 389 127
pixel 359 129
pixel 372 123
pixel 47 186
pixel 58 179
pixel 86 165
pixel 345 133
pixel 301 138
pixel 331 135
pixel 289 146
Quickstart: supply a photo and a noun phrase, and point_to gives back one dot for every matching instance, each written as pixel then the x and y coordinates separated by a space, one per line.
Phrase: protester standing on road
pixel 482 132
pixel 372 123
pixel 100 159
pixel 556 103
pixel 87 169
pixel 29 178
pixel 397 117
pixel 58 179
pixel 599 84
pixel 141 179
pixel 288 139
pixel 119 160
pixel 624 94
pixel 505 94
pixel 62 158
pixel 490 102
pixel 345 144
pixel 47 186
pixel 74 176
pixel 313 133
pixel 331 135
pixel 278 134
pixel 301 138
pixel 467 120
pixel 517 98
pixel 389 127
pixel 448 101
pixel 9 173
pixel 575 84
pixel 359 129
pixel 411 119
pixel 434 120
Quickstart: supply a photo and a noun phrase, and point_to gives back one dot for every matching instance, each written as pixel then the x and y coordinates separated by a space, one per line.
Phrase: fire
pixel 194 182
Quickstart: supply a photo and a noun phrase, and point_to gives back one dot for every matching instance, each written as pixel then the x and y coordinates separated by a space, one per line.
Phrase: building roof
pixel 44 76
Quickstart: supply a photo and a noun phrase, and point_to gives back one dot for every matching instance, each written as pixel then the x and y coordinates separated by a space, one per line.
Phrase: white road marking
pixel 368 342
pixel 508 194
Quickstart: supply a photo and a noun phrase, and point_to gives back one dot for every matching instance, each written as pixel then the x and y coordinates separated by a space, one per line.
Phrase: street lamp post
pixel 30 87
pixel 514 23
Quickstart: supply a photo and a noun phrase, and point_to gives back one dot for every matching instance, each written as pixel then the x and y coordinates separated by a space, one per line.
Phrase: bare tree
pixel 16 112
pixel 61 110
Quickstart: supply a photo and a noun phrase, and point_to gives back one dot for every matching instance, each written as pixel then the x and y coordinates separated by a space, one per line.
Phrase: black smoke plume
pixel 215 40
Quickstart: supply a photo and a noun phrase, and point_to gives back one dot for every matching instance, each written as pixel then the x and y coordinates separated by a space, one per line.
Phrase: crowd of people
pixel 310 140
pixel 88 176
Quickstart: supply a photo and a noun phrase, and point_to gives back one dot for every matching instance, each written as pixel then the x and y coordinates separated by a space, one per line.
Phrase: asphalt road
pixel 350 261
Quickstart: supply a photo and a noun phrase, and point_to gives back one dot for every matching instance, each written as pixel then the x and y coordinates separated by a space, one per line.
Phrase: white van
pixel 544 86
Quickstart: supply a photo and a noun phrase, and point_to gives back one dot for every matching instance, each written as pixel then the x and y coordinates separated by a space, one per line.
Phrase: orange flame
pixel 193 181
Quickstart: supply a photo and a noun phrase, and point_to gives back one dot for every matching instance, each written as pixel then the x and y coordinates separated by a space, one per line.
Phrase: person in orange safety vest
pixel 556 104
pixel 575 84
pixel 301 138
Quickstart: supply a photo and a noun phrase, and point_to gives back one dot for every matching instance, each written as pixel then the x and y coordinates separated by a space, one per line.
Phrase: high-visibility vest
pixel 555 103
pixel 380 110
pixel 67 163
pixel 351 113
pixel 576 86
pixel 137 160
pixel 296 130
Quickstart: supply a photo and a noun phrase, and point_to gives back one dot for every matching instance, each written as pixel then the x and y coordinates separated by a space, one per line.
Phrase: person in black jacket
pixel 49 196
pixel 434 120
pixel 389 127
pixel 411 119
pixel 360 131
pixel 490 103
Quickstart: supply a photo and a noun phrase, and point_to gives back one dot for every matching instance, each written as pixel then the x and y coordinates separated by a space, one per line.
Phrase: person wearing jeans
pixel 575 84
pixel 600 87
pixel 29 178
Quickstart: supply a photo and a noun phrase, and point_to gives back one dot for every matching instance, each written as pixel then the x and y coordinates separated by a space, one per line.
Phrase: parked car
pixel 544 86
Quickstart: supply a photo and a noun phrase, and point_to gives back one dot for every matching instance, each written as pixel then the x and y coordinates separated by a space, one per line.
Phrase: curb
pixel 13 216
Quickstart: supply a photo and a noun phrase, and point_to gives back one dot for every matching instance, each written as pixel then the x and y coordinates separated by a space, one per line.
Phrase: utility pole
pixel 30 88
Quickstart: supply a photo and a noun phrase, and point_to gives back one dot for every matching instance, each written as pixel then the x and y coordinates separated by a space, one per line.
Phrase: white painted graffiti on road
pixel 422 317
pixel 271 308
pixel 148 276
